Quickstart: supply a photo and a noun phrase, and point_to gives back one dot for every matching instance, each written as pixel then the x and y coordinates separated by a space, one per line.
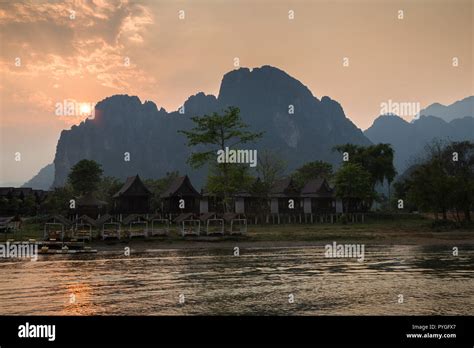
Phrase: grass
pixel 378 229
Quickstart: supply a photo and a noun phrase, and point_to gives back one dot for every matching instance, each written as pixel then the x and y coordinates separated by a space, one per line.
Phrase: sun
pixel 85 109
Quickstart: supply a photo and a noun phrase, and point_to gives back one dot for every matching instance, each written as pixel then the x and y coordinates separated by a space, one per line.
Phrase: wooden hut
pixel 135 225
pixel 82 227
pixel 252 203
pixel 109 227
pixel 210 203
pixel 158 226
pixel 133 197
pixel 89 205
pixel 56 227
pixel 318 197
pixel 285 197
pixel 180 197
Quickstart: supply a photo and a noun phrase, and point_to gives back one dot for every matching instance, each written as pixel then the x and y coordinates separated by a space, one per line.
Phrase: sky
pixel 360 53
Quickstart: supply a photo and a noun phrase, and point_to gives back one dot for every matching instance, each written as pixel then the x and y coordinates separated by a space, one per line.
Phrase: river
pixel 392 280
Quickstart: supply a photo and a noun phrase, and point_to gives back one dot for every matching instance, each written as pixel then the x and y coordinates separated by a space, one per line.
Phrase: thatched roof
pixel 59 219
pixel 133 217
pixel 89 200
pixel 284 188
pixel 133 186
pixel 7 219
pixel 181 217
pixel 180 187
pixel 85 219
pixel 103 219
pixel 317 188
pixel 206 216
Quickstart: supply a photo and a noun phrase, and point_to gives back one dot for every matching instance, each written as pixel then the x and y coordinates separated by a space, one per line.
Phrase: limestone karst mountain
pixel 297 125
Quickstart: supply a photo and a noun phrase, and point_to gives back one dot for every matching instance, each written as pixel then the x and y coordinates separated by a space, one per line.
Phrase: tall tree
pixel 354 187
pixel 312 170
pixel 217 132
pixel 377 160
pixel 444 181
pixel 158 186
pixel 459 161
pixel 270 168
pixel 85 176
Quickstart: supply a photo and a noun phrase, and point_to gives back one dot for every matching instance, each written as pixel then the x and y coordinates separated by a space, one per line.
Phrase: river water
pixel 392 280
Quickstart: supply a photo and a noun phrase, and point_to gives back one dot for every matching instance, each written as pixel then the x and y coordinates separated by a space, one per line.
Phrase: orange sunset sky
pixel 75 50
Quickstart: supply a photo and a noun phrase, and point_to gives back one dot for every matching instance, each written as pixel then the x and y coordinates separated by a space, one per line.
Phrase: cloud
pixel 82 39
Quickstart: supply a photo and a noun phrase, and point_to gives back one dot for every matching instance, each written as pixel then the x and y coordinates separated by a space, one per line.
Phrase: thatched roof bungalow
pixel 90 205
pixel 133 197
pixel 180 197
pixel 285 197
pixel 318 197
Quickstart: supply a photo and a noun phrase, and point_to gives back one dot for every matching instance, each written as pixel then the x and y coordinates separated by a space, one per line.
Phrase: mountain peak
pixel 257 81
pixel 200 103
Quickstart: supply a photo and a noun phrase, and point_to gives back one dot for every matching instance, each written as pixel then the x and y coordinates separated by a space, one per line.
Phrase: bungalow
pixel 133 197
pixel 89 205
pixel 180 197
pixel 285 197
pixel 210 203
pixel 318 197
pixel 249 201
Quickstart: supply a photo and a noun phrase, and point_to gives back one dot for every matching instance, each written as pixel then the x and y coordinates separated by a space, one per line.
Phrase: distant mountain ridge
pixel 43 180
pixel 459 109
pixel 266 96
pixel 408 139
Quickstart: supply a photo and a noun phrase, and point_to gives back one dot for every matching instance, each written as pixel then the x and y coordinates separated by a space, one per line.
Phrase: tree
pixel 444 181
pixel 270 168
pixel 57 201
pixel 29 206
pixel 459 161
pixel 377 160
pixel 158 186
pixel 108 186
pixel 354 186
pixel 85 176
pixel 237 179
pixel 312 170
pixel 218 132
